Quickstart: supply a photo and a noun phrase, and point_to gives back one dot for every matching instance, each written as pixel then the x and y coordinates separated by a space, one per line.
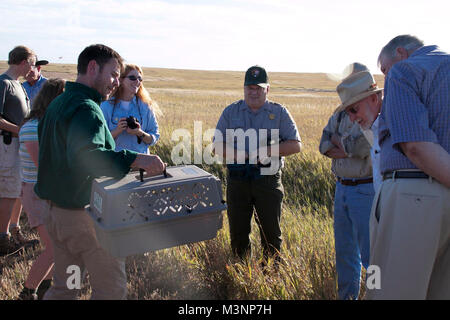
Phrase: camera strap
pixel 139 109
pixel 2 131
pixel 137 106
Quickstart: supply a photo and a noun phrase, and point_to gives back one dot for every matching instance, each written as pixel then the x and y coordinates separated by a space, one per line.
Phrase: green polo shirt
pixel 76 146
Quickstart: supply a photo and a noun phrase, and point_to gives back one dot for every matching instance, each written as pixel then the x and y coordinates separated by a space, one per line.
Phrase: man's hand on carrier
pixel 152 164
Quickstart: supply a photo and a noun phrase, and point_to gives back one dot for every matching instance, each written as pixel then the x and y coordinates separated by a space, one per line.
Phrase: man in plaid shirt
pixel 410 220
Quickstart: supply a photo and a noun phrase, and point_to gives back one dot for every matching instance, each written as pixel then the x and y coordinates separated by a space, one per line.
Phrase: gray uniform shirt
pixel 358 164
pixel 14 102
pixel 271 115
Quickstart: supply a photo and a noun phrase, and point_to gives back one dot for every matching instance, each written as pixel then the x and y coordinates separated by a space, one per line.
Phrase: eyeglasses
pixel 353 110
pixel 31 63
pixel 134 78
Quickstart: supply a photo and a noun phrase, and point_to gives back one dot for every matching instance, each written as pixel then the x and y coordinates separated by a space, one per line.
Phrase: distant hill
pixel 281 82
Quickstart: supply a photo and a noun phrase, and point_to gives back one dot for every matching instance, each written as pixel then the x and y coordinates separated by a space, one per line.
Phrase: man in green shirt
pixel 76 146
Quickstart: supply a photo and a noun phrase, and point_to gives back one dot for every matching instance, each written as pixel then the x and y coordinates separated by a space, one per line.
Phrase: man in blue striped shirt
pixel 410 222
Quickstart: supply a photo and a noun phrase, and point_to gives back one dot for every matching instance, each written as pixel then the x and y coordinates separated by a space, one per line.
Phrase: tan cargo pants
pixel 76 248
pixel 410 240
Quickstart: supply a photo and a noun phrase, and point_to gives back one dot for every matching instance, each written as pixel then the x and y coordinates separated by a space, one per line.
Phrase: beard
pixel 109 94
pixel 365 126
pixel 103 88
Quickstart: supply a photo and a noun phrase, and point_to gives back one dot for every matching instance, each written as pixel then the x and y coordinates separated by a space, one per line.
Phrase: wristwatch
pixel 140 138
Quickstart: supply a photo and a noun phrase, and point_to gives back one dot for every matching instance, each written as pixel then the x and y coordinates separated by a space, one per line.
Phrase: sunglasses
pixel 134 78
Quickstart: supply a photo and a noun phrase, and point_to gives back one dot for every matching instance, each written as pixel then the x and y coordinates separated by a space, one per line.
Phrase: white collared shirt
pixel 375 154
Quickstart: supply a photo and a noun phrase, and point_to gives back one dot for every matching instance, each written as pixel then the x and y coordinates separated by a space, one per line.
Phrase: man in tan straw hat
pixel 410 220
pixel 359 94
pixel 347 146
pixel 362 100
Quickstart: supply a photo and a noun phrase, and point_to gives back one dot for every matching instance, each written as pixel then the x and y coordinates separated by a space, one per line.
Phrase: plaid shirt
pixel 358 163
pixel 416 106
pixel 33 90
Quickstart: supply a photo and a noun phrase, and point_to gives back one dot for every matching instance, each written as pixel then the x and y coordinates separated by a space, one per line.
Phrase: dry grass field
pixel 206 270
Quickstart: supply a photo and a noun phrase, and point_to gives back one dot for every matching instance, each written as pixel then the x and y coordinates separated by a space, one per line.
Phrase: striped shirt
pixel 27 133
pixel 416 106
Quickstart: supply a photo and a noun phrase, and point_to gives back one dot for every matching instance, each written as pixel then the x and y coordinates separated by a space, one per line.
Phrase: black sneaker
pixel 27 294
pixel 43 287
pixel 8 246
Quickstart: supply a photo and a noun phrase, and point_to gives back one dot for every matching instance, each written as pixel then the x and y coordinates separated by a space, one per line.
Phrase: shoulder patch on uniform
pixel 275 107
pixel 237 102
pixel 275 104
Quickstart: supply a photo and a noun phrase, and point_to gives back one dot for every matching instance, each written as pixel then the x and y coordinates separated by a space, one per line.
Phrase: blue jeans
pixel 352 205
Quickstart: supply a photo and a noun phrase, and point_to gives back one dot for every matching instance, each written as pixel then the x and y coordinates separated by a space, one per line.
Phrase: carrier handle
pixel 141 174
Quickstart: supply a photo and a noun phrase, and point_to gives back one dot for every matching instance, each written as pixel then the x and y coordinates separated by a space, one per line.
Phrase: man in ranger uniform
pixel 254 135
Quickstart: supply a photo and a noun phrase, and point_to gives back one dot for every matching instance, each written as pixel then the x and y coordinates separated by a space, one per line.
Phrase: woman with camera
pixel 131 113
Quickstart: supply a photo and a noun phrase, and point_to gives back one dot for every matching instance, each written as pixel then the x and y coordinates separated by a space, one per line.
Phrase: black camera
pixel 7 137
pixel 132 122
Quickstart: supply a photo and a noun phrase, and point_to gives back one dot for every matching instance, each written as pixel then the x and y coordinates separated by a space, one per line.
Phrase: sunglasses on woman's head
pixel 134 78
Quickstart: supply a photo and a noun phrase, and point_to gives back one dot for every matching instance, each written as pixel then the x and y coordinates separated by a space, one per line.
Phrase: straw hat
pixel 356 87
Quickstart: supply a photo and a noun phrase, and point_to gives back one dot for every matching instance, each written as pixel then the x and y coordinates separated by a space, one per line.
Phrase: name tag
pixel 98 202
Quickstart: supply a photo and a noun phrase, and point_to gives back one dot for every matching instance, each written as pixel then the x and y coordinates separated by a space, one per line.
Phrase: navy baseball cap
pixel 256 75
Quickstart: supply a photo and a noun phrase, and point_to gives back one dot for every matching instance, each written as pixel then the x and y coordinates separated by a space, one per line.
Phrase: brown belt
pixel 354 182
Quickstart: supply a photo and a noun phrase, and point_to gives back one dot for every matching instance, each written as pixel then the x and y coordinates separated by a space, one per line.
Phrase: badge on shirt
pixel 271 116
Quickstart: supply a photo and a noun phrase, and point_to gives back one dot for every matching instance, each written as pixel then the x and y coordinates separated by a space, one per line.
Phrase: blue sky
pixel 281 35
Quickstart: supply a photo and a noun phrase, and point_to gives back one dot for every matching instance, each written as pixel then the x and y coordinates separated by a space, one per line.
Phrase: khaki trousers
pixel 75 244
pixel 410 240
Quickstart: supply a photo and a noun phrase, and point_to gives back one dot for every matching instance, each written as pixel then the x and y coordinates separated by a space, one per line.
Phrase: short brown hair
pixel 100 53
pixel 18 54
